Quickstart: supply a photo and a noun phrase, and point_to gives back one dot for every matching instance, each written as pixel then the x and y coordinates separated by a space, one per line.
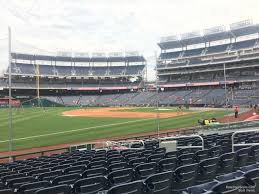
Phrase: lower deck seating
pixel 213 170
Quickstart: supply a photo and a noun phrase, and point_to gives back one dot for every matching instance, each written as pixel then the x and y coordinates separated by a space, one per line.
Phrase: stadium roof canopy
pixel 238 29
pixel 30 57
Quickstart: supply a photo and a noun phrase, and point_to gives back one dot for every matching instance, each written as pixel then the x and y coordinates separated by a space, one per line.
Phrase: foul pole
pixel 37 75
pixel 10 132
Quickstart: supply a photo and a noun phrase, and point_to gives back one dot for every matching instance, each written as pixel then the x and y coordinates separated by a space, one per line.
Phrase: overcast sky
pixel 49 26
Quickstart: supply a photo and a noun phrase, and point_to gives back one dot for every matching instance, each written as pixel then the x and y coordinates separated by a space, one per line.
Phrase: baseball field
pixel 38 127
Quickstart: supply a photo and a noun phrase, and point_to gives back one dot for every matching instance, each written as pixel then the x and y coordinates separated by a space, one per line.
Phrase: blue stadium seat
pixel 229 186
pixel 66 179
pixel 137 161
pixel 160 183
pixel 241 157
pixel 117 166
pixel 185 159
pixel 32 187
pixel 207 170
pixel 60 189
pixel 253 155
pixel 120 176
pixel 136 187
pixel 200 155
pixel 144 170
pixel 167 164
pixel 201 188
pixel 6 191
pixel 97 164
pixel 49 175
pixel 183 177
pixel 90 185
pixel 94 172
pixel 155 157
pixel 226 163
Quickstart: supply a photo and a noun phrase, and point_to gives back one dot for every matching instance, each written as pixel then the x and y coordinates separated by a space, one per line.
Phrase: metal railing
pixel 242 144
pixel 184 136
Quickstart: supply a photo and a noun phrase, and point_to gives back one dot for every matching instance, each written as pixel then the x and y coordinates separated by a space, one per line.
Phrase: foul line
pixel 75 130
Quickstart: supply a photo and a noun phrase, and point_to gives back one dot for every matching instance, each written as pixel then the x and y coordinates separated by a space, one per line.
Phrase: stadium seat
pixel 74 169
pixel 185 159
pixel 161 150
pixel 253 155
pixel 32 187
pixel 207 170
pixel 90 185
pixel 201 188
pixel 183 177
pixel 60 189
pixel 17 182
pixel 173 154
pixel 229 186
pixel 66 179
pixel 167 164
pixel 97 164
pixel 226 163
pixel 131 156
pixel 6 191
pixel 94 172
pixel 137 161
pixel 115 160
pixel 159 183
pixel 144 170
pixel 49 175
pixel 214 151
pixel 120 176
pixel 241 157
pixel 155 157
pixel 200 155
pixel 117 166
pixel 136 187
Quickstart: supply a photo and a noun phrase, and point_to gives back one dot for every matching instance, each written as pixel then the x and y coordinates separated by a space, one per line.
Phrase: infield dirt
pixel 111 113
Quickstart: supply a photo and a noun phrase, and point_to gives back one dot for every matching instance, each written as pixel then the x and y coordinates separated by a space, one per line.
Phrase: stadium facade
pixel 214 67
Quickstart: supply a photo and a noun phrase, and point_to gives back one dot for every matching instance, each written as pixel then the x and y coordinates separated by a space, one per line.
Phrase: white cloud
pixel 111 25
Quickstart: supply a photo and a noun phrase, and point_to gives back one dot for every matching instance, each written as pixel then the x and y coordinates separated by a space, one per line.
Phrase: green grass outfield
pixel 34 127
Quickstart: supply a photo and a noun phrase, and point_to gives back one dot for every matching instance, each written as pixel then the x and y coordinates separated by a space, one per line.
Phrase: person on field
pixel 236 111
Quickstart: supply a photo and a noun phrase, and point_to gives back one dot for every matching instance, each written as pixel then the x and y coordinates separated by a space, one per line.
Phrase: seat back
pixel 160 183
pixel 184 177
pixel 120 176
pixel 90 185
pixel 226 163
pixel 142 171
pixel 136 187
pixel 241 157
pixel 94 172
pixel 200 155
pixel 230 186
pixel 185 159
pixel 60 189
pixel 155 157
pixel 167 164
pixel 207 170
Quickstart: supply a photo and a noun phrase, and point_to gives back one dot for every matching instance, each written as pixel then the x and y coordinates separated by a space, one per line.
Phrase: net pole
pixel 10 132
pixel 157 101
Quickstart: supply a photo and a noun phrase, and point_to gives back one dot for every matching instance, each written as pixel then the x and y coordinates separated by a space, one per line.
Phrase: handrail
pixel 246 144
pixel 185 136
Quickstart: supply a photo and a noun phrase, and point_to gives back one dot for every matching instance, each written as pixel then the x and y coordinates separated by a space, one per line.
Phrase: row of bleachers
pixel 195 97
pixel 147 169
pixel 210 50
pixel 30 69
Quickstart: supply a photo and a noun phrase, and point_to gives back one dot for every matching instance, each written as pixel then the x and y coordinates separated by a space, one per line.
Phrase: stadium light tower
pixel 10 133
